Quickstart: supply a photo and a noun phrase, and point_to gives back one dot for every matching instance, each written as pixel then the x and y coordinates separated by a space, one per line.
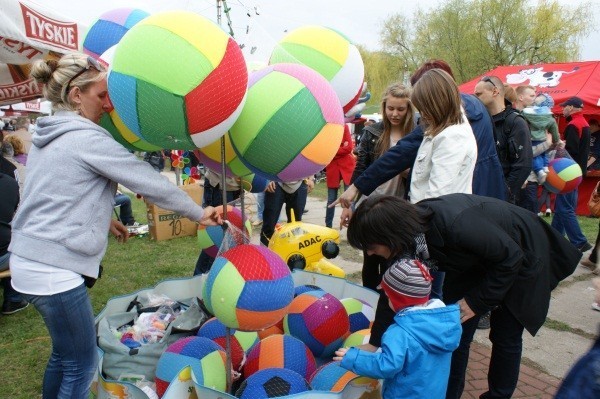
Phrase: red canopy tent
pixel 561 81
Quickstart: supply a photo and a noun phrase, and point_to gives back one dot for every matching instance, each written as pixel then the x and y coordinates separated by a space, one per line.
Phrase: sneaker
pixel 484 322
pixel 586 246
pixel 548 213
pixel 133 224
pixel 589 264
pixel 540 214
pixel 257 223
pixel 596 306
pixel 14 307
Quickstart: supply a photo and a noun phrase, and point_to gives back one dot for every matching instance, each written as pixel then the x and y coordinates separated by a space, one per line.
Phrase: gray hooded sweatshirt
pixel 72 173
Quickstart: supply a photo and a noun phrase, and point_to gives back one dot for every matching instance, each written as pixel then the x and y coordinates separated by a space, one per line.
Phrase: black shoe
pixel 585 247
pixel 14 307
pixel 484 322
pixel 305 211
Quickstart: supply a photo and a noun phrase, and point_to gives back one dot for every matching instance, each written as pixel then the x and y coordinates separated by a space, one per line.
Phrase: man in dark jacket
pixel 495 255
pixel 513 139
pixel 577 138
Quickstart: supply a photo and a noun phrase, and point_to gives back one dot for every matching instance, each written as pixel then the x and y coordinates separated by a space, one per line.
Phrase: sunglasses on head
pixel 487 79
pixel 91 63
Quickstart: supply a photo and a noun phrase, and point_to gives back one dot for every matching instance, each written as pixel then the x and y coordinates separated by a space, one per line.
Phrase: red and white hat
pixel 407 283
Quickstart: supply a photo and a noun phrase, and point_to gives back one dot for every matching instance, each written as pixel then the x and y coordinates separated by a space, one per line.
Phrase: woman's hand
pixel 345 217
pixel 310 184
pixel 119 230
pixel 211 217
pixel 271 187
pixel 346 198
pixel 339 354
pixel 465 311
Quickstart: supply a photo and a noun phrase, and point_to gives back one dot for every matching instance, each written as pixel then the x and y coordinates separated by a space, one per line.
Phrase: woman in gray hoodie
pixel 59 233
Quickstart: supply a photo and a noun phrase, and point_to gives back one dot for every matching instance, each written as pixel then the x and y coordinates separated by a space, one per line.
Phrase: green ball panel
pixel 108 124
pixel 162 118
pixel 156 55
pixel 352 306
pixel 226 291
pixel 238 168
pixel 302 120
pixel 264 99
pixel 299 54
pixel 213 371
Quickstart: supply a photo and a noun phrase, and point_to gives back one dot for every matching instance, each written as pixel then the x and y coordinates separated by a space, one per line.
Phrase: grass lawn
pixel 127 267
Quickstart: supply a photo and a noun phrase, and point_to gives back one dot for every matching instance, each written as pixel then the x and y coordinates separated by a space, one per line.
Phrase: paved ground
pixel 546 358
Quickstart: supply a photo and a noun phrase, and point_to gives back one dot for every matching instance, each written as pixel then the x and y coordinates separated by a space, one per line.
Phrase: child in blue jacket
pixel 416 350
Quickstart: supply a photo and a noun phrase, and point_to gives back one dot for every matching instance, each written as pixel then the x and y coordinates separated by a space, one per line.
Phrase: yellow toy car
pixel 304 245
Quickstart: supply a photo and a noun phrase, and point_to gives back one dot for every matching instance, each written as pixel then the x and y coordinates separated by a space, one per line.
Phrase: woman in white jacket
pixel 446 158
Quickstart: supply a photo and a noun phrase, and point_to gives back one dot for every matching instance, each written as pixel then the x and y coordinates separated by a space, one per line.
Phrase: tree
pixel 381 69
pixel 474 36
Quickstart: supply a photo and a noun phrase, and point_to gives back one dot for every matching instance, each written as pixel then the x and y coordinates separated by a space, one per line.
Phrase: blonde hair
pixel 437 97
pixel 16 142
pixel 520 90
pixel 55 76
pixel 510 93
pixel 396 90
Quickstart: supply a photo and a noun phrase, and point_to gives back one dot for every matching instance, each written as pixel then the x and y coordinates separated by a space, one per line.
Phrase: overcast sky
pixel 358 19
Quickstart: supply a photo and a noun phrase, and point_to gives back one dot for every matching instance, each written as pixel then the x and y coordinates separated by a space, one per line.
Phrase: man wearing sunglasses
pixel 513 139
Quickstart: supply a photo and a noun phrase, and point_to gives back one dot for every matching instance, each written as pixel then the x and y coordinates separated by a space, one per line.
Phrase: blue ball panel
pixel 266 295
pixel 125 105
pixel 298 329
pixel 135 17
pixel 103 35
pixel 216 267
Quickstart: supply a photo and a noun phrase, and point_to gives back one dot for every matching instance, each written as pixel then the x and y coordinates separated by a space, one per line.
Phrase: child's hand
pixel 339 354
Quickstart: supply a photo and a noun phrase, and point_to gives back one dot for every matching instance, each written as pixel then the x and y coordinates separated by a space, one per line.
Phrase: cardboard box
pixel 165 225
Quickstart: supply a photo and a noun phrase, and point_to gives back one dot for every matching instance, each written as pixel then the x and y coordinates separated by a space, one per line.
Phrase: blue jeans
pixel 125 213
pixel 506 334
pixel 565 220
pixel 10 295
pixel 213 196
pixel 332 194
pixel 260 205
pixel 70 321
pixel 274 202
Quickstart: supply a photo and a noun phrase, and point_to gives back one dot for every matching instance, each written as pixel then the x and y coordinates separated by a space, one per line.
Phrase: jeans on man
pixel 125 212
pixel 69 319
pixel 10 295
pixel 565 219
pixel 273 204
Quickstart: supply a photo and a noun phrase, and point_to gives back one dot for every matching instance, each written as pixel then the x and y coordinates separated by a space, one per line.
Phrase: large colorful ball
pixel 329 53
pixel 240 341
pixel 205 357
pixel 319 320
pixel 280 351
pixel 177 80
pixel 275 329
pixel 113 123
pixel 292 124
pixel 360 313
pixel 358 338
pixel 564 176
pixel 272 383
pixel 331 377
pixel 301 289
pixel 210 238
pixel 110 28
pixel 248 288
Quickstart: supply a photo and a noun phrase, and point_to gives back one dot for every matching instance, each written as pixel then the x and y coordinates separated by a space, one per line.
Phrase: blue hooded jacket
pixel 415 353
pixel 488 177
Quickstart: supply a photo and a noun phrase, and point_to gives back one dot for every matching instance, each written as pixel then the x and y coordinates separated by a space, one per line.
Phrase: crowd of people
pixel 441 196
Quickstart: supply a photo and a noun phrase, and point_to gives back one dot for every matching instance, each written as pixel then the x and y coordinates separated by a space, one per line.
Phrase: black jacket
pixel 365 153
pixel 8 206
pixel 513 143
pixel 497 253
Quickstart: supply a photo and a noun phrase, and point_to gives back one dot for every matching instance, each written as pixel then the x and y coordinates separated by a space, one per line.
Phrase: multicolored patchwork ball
pixel 275 329
pixel 205 357
pixel 272 383
pixel 292 123
pixel 280 351
pixel 210 238
pixel 564 176
pixel 358 338
pixel 240 341
pixel 360 313
pixel 178 80
pixel 248 288
pixel 112 122
pixel 109 29
pixel 319 320
pixel 331 377
pixel 329 53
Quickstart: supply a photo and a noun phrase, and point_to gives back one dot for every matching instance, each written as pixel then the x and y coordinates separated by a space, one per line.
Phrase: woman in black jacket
pixel 497 256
